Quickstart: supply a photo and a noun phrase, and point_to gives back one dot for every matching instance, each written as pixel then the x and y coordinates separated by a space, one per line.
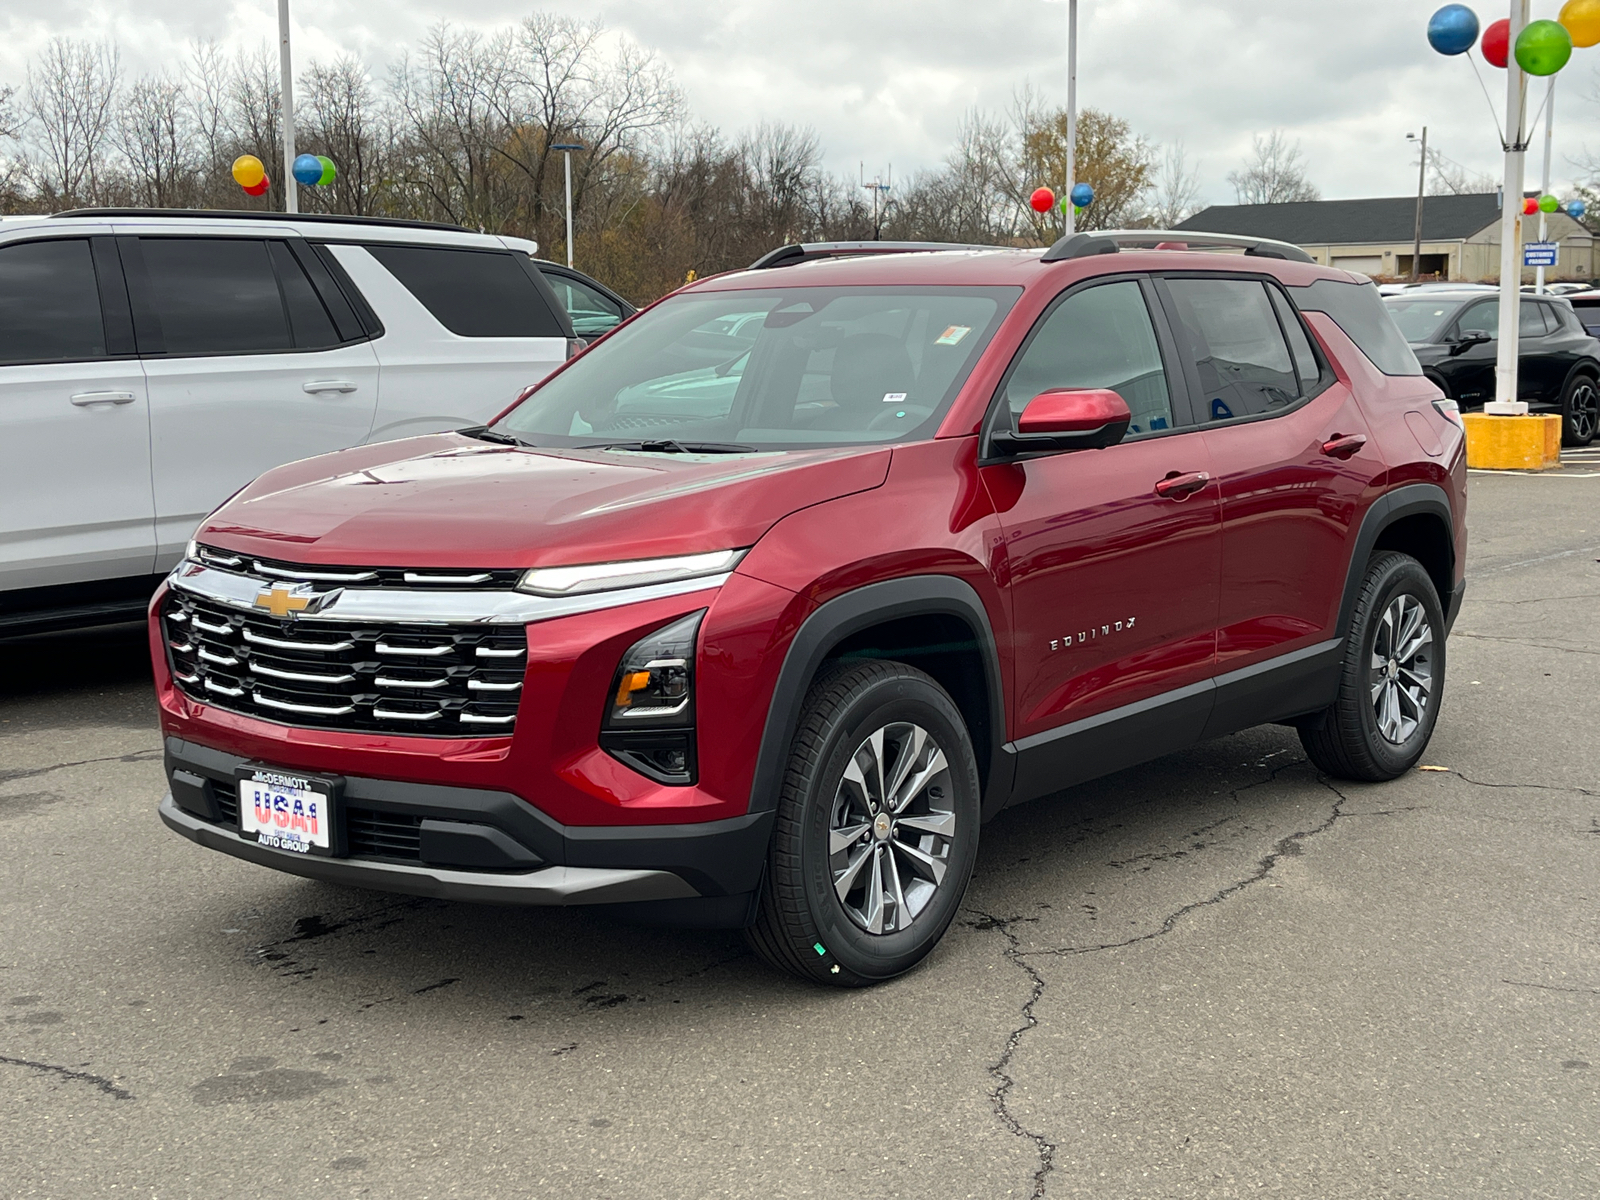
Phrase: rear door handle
pixel 318 386
pixel 1181 487
pixel 1344 445
pixel 90 399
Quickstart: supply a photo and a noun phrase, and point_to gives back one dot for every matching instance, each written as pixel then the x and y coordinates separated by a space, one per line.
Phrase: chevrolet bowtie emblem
pixel 281 600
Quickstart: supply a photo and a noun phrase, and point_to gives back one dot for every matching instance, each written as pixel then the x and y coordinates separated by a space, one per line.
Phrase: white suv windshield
pixel 771 369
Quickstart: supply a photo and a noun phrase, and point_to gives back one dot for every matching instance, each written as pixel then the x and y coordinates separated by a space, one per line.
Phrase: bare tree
pixel 1447 177
pixel 255 122
pixel 1274 173
pixel 345 119
pixel 1176 195
pixel 10 121
pixel 70 103
pixel 157 143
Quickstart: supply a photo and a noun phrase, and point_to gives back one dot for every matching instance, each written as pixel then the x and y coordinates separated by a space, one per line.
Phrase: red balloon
pixel 259 189
pixel 1042 200
pixel 1530 206
pixel 1497 42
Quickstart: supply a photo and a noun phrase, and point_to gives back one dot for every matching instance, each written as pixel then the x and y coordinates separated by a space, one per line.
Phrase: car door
pixel 593 312
pixel 465 330
pixel 1470 373
pixel 1111 555
pixel 1539 367
pixel 246 367
pixel 74 418
pixel 1295 469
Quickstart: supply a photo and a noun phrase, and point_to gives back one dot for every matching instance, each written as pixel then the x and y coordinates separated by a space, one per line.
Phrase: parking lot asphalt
pixel 1216 975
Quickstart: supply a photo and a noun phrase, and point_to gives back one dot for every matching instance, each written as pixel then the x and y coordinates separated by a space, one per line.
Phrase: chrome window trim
pixel 431 607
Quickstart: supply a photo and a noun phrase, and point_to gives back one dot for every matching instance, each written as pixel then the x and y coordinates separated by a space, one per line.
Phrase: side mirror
pixel 1468 339
pixel 1067 419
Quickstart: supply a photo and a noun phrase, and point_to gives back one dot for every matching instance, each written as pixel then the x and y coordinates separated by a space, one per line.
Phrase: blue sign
pixel 1540 254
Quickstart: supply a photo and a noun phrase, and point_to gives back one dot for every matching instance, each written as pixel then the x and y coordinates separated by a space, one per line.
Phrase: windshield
pixel 1420 320
pixel 774 368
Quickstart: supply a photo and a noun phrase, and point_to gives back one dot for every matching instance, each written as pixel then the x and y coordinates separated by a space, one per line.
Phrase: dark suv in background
pixel 1455 335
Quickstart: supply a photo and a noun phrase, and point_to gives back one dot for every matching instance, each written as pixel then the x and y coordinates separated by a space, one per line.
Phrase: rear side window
pixel 214 295
pixel 1305 359
pixel 49 305
pixel 1101 337
pixel 309 321
pixel 1357 309
pixel 472 293
pixel 1239 350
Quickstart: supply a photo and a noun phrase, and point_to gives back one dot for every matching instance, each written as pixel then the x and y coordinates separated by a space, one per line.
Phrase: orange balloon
pixel 1582 20
pixel 248 171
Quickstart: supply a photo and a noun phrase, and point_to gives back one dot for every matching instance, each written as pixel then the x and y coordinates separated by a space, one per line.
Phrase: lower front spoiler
pixel 547 886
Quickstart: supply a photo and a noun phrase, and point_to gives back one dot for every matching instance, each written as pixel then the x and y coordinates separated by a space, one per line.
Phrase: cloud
pixel 886 81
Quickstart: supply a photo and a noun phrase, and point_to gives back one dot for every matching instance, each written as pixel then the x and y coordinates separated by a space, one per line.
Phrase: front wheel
pixel 877 828
pixel 1580 411
pixel 1391 681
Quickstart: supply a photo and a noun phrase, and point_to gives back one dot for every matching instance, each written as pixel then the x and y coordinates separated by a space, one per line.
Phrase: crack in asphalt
pixel 136 756
pixel 1528 562
pixel 99 1081
pixel 1540 787
pixel 1489 637
pixel 1017 955
pixel 1550 987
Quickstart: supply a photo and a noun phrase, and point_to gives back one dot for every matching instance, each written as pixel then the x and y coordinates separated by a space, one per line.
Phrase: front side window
pixel 771 368
pixel 1101 337
pixel 215 295
pixel 592 313
pixel 1238 347
pixel 49 304
pixel 1420 321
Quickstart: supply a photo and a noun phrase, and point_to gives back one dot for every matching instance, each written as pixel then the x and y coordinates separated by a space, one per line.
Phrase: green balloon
pixel 1543 48
pixel 328 170
pixel 1548 204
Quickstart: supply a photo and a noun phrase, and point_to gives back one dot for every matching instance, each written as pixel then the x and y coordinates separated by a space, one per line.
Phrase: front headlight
pixel 649 720
pixel 641 572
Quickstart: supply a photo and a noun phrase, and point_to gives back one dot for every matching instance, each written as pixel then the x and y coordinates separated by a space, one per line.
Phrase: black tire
pixel 1439 382
pixel 1348 739
pixel 802 924
pixel 1580 411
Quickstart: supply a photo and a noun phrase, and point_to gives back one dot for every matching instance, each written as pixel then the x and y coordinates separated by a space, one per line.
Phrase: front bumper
pixel 531 859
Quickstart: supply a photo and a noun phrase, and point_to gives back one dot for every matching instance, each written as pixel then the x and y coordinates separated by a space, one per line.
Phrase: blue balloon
pixel 1453 29
pixel 1082 195
pixel 1576 209
pixel 308 169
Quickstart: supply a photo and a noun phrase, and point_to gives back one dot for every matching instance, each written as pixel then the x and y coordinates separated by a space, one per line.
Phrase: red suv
pixel 755 612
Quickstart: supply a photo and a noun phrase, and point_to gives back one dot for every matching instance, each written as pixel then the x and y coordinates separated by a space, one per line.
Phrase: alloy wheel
pixel 1583 412
pixel 892 828
pixel 1402 668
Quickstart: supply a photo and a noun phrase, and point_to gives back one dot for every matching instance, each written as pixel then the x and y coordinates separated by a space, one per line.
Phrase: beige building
pixel 1460 235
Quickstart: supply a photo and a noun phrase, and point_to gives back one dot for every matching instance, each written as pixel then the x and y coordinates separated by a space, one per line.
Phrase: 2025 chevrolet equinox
pixel 756 611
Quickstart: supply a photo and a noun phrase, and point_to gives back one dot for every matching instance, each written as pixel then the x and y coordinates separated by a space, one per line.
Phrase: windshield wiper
pixel 484 434
pixel 668 446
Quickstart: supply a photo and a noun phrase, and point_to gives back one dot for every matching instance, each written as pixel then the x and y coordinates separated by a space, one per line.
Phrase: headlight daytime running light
pixel 642 572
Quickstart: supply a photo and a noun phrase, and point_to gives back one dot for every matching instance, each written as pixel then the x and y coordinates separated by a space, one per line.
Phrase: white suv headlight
pixel 640 572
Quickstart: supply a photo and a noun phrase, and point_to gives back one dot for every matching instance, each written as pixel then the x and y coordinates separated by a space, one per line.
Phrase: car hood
pixel 453 501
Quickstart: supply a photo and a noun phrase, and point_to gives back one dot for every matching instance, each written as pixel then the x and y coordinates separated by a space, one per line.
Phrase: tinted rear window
pixel 49 305
pixel 472 293
pixel 1357 309
pixel 215 295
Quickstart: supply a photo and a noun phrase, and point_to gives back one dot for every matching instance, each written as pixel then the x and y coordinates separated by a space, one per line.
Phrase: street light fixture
pixel 1422 183
pixel 566 149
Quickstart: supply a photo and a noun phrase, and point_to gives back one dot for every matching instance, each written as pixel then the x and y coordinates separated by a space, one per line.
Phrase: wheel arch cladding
pixel 1415 520
pixel 936 623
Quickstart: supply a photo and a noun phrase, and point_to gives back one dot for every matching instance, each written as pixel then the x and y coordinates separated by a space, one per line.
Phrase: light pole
pixel 1422 184
pixel 1067 209
pixel 291 189
pixel 1505 402
pixel 566 149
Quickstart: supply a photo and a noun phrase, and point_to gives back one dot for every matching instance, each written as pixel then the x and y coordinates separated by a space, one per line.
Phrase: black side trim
pixel 717 858
pixel 1452 605
pixel 914 595
pixel 146 324
pixel 1291 685
pixel 352 294
pixel 345 321
pixel 1405 501
pixel 558 310
pixel 114 305
pixel 25 611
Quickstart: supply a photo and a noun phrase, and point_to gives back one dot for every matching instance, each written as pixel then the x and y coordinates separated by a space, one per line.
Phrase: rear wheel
pixel 1580 411
pixel 877 829
pixel 1392 678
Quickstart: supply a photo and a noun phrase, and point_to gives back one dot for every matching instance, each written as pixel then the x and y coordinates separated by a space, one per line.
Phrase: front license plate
pixel 286 811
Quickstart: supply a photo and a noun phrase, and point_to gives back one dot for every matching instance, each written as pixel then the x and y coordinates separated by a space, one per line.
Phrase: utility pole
pixel 1505 402
pixel 291 189
pixel 1422 185
pixel 1068 212
pixel 566 149
pixel 1544 190
pixel 880 187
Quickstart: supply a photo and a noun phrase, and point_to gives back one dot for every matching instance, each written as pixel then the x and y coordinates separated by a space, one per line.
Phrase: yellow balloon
pixel 1581 19
pixel 248 171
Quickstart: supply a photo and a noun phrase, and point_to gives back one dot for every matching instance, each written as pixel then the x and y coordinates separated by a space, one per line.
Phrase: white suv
pixel 153 364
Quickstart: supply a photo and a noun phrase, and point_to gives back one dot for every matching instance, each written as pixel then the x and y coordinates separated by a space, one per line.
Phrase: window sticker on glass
pixel 894 397
pixel 952 336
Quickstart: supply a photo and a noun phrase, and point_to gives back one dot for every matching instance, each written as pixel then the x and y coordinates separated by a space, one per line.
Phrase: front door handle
pixel 1344 445
pixel 318 386
pixel 90 399
pixel 1181 487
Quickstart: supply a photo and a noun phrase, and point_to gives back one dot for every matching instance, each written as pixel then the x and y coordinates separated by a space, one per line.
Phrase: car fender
pixel 1406 501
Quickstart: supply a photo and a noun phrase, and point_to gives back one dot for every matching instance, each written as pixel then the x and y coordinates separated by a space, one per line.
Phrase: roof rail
pixel 788 256
pixel 1111 241
pixel 252 215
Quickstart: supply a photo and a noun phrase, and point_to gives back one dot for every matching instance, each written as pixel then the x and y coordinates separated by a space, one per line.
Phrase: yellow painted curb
pixel 1529 443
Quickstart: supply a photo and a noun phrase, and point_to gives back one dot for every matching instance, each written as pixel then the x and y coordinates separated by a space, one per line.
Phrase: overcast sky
pixel 886 81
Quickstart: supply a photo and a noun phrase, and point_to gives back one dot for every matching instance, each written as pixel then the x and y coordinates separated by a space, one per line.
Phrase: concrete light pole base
pixel 1512 443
